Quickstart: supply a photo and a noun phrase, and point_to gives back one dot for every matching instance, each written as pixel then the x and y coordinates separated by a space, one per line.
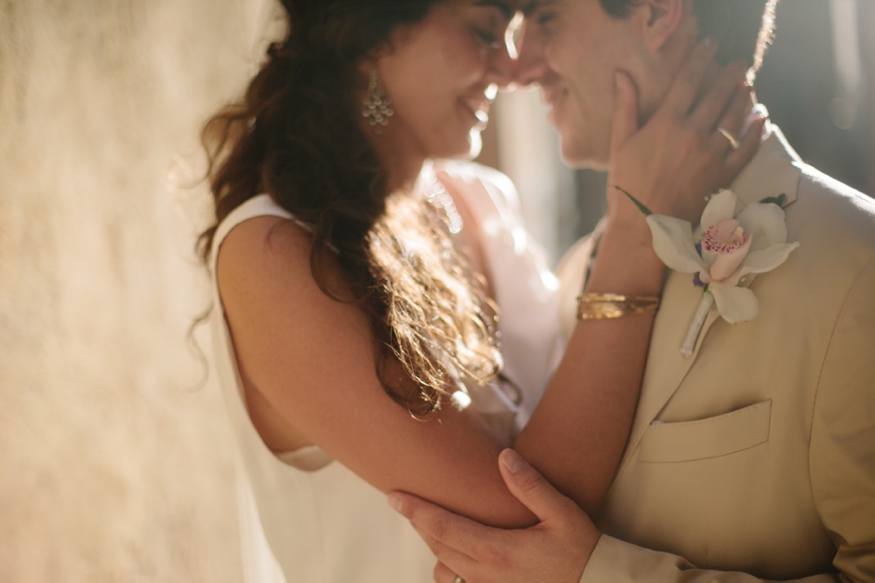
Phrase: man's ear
pixel 661 19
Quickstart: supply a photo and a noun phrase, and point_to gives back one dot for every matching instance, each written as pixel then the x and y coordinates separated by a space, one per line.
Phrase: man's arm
pixel 564 547
pixel 556 549
pixel 842 454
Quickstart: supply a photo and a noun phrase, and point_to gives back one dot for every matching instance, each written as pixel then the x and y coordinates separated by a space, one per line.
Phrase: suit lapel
pixel 666 367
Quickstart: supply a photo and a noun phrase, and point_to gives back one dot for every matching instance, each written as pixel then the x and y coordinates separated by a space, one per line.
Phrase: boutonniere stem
pixel 705 305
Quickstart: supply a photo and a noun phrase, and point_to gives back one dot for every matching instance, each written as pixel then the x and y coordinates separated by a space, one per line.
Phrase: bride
pixel 359 279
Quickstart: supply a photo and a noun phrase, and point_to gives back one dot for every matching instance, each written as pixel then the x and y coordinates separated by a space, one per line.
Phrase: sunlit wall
pixel 115 464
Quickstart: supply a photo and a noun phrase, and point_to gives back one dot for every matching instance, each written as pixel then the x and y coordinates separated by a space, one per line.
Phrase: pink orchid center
pixel 727 240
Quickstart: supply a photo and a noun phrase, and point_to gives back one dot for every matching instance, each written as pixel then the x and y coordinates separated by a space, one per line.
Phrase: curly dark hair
pixel 744 28
pixel 296 135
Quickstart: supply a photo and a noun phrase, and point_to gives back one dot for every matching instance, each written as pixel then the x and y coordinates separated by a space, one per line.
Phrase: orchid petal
pixel 766 222
pixel 735 304
pixel 708 258
pixel 768 259
pixel 721 206
pixel 673 243
pixel 726 264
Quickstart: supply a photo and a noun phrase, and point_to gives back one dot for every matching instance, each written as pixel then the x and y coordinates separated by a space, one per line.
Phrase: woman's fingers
pixel 727 133
pixel 719 99
pixel 624 122
pixel 747 148
pixel 686 87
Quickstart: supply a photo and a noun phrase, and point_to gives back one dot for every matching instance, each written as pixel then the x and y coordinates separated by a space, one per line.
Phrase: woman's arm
pixel 312 360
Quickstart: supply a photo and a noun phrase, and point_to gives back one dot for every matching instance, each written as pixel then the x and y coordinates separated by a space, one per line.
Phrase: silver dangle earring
pixel 377 106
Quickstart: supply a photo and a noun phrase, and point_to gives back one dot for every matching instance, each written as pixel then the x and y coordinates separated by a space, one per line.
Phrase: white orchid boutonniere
pixel 733 243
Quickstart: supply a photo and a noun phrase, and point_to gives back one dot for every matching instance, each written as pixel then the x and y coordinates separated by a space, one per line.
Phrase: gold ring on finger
pixel 733 141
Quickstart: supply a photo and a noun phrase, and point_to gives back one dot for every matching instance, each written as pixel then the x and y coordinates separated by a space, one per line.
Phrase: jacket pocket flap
pixel 707 438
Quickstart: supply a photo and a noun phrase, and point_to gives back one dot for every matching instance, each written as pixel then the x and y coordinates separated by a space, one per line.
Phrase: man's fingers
pixel 450 529
pixel 686 86
pixel 444 574
pixel 625 119
pixel 454 561
pixel 530 487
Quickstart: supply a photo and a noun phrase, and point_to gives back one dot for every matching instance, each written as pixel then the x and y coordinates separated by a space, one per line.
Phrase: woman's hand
pixel 681 155
pixel 556 549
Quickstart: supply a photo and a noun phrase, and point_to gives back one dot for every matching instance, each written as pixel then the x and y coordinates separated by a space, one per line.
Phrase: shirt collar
pixel 774 170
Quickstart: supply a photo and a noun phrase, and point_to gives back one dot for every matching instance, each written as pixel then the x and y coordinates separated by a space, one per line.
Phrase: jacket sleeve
pixel 621 562
pixel 842 465
pixel 842 452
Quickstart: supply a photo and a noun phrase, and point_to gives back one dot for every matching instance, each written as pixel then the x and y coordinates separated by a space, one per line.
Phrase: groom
pixel 754 457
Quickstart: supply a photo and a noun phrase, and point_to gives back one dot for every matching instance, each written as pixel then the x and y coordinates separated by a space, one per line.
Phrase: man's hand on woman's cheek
pixel 556 549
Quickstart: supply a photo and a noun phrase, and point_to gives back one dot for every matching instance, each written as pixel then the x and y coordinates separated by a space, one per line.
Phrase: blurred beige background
pixel 115 464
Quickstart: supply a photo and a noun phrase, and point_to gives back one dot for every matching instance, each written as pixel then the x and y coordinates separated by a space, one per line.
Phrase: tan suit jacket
pixel 755 457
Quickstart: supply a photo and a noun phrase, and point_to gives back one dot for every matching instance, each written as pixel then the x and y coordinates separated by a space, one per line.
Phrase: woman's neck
pixel 402 173
pixel 400 157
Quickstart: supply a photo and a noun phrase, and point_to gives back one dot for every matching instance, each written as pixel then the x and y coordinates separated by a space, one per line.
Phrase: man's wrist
pixel 588 550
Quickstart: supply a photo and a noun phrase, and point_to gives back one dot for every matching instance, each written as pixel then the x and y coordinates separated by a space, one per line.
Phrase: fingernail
pixel 512 461
pixel 396 503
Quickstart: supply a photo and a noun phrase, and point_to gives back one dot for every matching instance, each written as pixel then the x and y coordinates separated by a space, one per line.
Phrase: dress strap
pixel 257 206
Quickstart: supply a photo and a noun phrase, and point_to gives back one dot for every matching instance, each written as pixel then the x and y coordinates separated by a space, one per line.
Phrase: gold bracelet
pixel 610 306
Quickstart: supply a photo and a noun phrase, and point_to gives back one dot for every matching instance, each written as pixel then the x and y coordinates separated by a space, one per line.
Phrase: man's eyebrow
pixel 505 8
pixel 529 7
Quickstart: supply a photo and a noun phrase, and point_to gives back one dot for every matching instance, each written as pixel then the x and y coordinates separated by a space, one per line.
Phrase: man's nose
pixel 530 65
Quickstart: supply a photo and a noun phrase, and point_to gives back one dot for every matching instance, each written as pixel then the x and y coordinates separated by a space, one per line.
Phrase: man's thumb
pixel 625 118
pixel 530 487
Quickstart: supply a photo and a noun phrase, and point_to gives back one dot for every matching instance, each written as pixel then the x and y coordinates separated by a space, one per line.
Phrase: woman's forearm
pixel 579 430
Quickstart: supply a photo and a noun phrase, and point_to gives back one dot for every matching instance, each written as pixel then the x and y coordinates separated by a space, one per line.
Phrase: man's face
pixel 571 49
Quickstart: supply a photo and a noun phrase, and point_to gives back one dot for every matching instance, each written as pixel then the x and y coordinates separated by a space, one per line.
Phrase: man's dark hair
pixel 743 28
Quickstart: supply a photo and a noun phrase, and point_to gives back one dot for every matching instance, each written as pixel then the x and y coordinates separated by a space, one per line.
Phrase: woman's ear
pixel 661 19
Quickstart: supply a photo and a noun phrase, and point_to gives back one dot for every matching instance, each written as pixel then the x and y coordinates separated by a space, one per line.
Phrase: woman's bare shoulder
pixel 263 242
pixel 268 258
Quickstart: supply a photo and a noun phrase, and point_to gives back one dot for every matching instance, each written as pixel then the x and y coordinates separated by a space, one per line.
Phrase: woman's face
pixel 442 75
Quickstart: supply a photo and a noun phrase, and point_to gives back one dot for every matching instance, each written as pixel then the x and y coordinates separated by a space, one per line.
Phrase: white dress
pixel 307 519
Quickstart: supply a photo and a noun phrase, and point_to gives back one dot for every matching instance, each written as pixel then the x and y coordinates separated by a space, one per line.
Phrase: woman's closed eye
pixel 490 38
pixel 489 22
